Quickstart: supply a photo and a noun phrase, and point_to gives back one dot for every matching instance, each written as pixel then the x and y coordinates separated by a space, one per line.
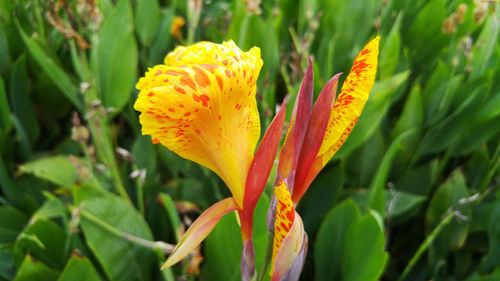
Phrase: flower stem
pixel 427 242
pixel 154 245
pixel 267 258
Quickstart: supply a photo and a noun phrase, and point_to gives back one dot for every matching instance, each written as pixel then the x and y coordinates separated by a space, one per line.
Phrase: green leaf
pixel 223 245
pixel 7 269
pixel 222 250
pixel 492 260
pixel 33 270
pixel 5 123
pixel 172 213
pixel 79 268
pixel 400 203
pixel 57 169
pixel 56 73
pixel 114 57
pixel 319 199
pixel 44 240
pixel 161 44
pixel 376 196
pixel 13 222
pixel 382 96
pixel 349 246
pixel 424 37
pixel 19 94
pixel 445 199
pixel 144 154
pixel 147 19
pixel 485 44
pixel 389 54
pixel 120 258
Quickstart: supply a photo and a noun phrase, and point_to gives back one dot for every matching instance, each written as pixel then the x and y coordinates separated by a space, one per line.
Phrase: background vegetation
pixel 412 195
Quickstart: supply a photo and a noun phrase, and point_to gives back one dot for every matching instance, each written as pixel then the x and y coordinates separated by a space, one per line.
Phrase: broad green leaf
pixel 319 198
pixel 120 258
pixel 381 97
pixel 162 41
pixel 389 54
pixel 444 200
pixel 13 222
pixel 45 240
pixel 424 37
pixel 147 20
pixel 399 204
pixel 114 57
pixel 349 246
pixel 78 268
pixel 33 270
pixel 222 250
pixel 7 269
pixel 57 169
pixel 58 75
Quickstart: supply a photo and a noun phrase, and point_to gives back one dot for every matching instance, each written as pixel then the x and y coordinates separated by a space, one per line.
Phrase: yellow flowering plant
pixel 201 105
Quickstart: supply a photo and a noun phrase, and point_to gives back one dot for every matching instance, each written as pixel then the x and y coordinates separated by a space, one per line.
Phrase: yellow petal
pixel 350 102
pixel 202 106
pixel 285 217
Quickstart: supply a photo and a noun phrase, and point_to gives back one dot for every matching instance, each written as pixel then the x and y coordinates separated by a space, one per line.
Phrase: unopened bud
pixel 448 25
pixel 460 13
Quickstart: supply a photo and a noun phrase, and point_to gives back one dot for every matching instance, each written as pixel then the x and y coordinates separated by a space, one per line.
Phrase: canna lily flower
pixel 313 137
pixel 201 105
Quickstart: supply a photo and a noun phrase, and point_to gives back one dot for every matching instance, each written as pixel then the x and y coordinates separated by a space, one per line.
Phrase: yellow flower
pixel 201 105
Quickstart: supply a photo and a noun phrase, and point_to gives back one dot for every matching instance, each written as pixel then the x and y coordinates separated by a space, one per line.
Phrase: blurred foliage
pixel 412 195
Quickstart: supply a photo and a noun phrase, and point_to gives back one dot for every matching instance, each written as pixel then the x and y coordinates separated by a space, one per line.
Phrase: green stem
pixel 426 244
pixel 267 258
pixel 140 189
pixel 98 125
pixel 154 245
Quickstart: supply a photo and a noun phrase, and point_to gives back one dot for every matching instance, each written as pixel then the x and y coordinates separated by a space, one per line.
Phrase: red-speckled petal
pixel 290 239
pixel 352 99
pixel 345 112
pixel 206 113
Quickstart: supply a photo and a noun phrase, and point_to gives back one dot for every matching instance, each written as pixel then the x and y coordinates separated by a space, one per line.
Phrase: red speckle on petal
pixel 150 94
pixel 200 77
pixel 158 72
pixel 171 110
pixel 198 131
pixel 187 114
pixel 219 81
pixel 180 90
pixel 204 100
pixel 220 117
pixel 155 141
